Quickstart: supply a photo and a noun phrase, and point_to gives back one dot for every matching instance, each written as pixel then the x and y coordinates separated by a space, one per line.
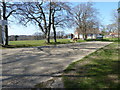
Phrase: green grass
pixel 105 39
pixel 33 43
pixel 27 43
pixel 97 70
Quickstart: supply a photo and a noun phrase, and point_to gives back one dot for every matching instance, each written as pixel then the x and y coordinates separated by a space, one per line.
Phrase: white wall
pixel 80 36
pixel 88 37
pixel 91 37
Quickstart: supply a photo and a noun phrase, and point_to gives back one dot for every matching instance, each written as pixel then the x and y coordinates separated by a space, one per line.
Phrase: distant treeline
pixel 36 36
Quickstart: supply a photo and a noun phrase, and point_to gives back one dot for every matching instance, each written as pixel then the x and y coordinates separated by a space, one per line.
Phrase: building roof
pixel 113 33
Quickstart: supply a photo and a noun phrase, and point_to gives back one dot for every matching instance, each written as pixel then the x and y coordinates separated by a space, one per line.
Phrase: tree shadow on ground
pixel 103 66
pixel 103 75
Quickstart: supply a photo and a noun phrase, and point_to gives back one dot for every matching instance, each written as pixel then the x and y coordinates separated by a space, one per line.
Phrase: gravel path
pixel 25 67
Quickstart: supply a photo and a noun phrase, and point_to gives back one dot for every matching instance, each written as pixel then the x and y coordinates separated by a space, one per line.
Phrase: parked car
pixel 100 36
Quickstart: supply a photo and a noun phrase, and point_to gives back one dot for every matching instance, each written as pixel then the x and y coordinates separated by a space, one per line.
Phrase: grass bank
pixel 97 70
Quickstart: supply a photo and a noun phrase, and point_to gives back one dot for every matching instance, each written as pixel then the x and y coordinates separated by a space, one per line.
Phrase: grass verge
pixel 97 70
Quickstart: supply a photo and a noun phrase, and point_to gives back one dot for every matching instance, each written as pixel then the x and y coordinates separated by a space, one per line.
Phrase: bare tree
pixel 45 15
pixel 114 21
pixel 60 34
pixel 38 36
pixel 7 10
pixel 85 16
pixel 104 30
pixel 60 16
pixel 38 13
pixel 112 28
pixel 115 16
pixel 91 28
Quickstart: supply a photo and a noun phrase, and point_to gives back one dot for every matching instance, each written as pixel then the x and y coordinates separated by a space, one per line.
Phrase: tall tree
pixel 114 21
pixel 44 14
pixel 112 28
pixel 60 12
pixel 7 10
pixel 39 13
pixel 104 30
pixel 85 16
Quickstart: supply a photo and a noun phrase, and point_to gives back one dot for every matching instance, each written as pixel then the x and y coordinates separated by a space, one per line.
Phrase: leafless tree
pixel 112 28
pixel 38 13
pixel 60 16
pixel 60 34
pixel 85 16
pixel 38 36
pixel 7 10
pixel 104 30
pixel 44 14
pixel 115 16
pixel 115 21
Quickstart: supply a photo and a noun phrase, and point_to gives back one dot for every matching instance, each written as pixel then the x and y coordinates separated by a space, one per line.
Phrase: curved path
pixel 25 67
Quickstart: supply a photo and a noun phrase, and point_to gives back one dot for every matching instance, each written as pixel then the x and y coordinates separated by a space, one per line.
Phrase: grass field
pixel 97 70
pixel 105 39
pixel 33 43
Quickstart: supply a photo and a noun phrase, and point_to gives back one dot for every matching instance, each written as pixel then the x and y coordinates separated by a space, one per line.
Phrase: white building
pixel 91 34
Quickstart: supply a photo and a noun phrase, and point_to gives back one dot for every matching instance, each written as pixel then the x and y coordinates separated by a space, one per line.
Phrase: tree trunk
pixel 48 39
pixel 6 34
pixel 78 35
pixel 6 26
pixel 49 27
pixel 47 36
pixel 85 36
pixel 53 26
pixel 55 40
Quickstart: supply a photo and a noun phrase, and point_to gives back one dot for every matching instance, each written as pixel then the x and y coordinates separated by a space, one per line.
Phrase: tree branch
pixel 10 13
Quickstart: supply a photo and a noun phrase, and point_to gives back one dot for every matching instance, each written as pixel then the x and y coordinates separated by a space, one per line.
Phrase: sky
pixel 105 9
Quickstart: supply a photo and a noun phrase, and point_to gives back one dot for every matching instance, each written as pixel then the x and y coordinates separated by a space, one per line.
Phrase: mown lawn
pixel 33 43
pixel 97 70
pixel 105 39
